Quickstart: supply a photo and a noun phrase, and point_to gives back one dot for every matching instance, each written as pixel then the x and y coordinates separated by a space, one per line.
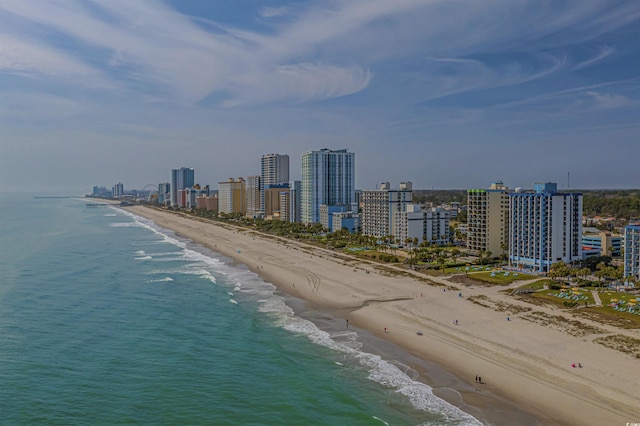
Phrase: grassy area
pixel 538 285
pixel 498 277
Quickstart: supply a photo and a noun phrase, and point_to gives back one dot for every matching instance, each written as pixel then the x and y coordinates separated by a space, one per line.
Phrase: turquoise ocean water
pixel 107 319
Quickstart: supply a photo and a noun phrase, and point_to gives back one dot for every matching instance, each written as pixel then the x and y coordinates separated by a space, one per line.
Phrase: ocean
pixel 108 319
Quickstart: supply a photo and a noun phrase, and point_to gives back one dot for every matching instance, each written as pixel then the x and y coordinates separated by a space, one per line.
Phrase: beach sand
pixel 525 363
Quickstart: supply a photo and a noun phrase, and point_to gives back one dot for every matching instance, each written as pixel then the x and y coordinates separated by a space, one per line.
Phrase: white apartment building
pixel 545 227
pixel 380 205
pixel 431 225
pixel 328 177
pixel 488 219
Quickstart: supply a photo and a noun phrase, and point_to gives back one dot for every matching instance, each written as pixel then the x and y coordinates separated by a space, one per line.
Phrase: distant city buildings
pixel 274 170
pixel 118 190
pixel 632 251
pixel 164 193
pixel 328 177
pixel 180 179
pixel 545 227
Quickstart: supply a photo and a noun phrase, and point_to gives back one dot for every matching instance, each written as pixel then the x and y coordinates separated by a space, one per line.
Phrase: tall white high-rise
pixel 180 179
pixel 328 177
pixel 274 170
pixel 545 227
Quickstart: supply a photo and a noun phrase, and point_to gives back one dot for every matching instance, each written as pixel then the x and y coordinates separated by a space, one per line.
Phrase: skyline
pixel 446 94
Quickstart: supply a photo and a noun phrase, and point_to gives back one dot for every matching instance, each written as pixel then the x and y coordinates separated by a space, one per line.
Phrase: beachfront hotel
pixel 632 251
pixel 415 225
pixel 274 170
pixel 180 179
pixel 545 227
pixel 328 177
pixel 252 203
pixel 488 219
pixel 380 205
pixel 231 196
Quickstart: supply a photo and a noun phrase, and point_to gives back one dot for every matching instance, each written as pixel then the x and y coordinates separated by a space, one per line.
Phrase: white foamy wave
pixel 140 252
pixel 161 280
pixel 125 224
pixel 250 285
pixel 420 394
pixel 380 371
pixel 143 258
pixel 110 214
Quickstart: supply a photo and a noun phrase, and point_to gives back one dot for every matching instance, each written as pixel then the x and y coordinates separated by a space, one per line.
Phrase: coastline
pixel 525 367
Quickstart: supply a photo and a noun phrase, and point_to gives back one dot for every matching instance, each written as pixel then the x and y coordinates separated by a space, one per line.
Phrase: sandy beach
pixel 525 361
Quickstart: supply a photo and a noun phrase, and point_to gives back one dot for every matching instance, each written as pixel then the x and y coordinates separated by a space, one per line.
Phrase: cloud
pixel 322 50
pixel 605 101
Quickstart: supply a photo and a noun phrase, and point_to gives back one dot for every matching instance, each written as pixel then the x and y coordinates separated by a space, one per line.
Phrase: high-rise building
pixel 164 192
pixel 231 196
pixel 274 170
pixel 253 197
pixel 273 201
pixel 545 227
pixel 488 219
pixel 293 201
pixel 415 225
pixel 328 177
pixel 380 205
pixel 118 190
pixel 632 251
pixel 180 179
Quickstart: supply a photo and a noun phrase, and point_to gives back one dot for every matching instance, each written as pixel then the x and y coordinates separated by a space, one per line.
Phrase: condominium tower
pixel 545 227
pixel 488 219
pixel 252 203
pixel 180 179
pixel 231 196
pixel 328 177
pixel 274 170
pixel 380 205
pixel 632 251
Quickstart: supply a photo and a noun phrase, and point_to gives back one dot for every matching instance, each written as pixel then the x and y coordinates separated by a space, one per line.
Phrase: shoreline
pixel 523 365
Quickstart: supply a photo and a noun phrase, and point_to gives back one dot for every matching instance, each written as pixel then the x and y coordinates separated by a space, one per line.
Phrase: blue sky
pixel 447 94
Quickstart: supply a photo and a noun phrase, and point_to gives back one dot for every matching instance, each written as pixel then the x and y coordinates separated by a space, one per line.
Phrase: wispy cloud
pixel 322 50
